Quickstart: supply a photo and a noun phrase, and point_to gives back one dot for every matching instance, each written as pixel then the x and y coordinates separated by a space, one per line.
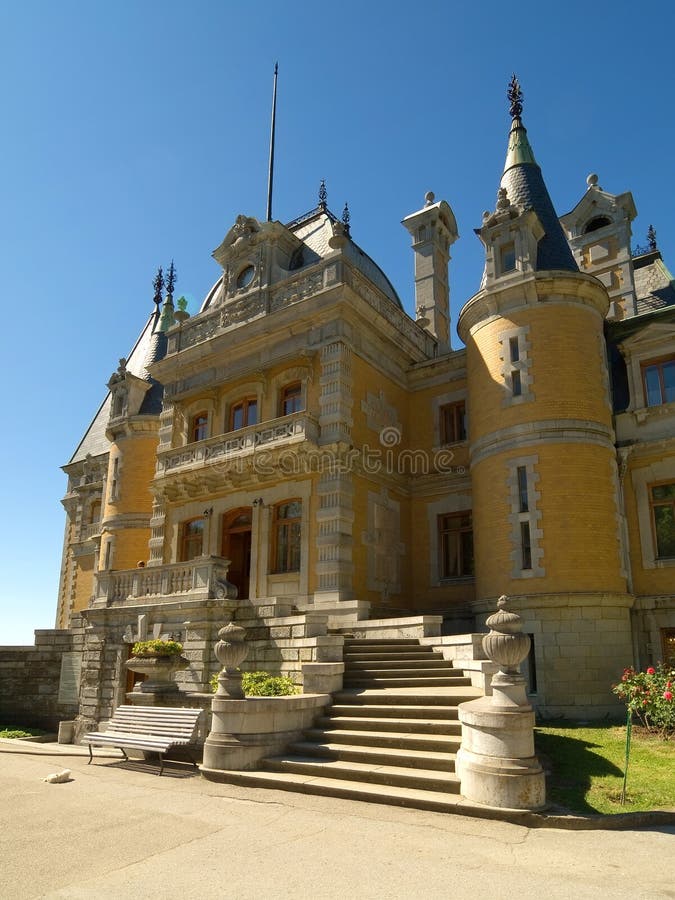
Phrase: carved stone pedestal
pixel 496 762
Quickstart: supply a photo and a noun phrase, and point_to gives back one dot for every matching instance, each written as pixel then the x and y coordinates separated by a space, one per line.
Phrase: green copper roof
pixel 519 150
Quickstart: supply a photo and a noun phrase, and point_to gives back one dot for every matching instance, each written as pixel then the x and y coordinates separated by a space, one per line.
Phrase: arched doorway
pixel 236 546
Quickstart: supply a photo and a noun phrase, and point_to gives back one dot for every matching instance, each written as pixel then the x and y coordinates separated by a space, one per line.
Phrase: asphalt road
pixel 118 831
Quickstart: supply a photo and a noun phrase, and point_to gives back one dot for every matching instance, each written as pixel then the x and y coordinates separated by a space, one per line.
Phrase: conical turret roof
pixel 525 187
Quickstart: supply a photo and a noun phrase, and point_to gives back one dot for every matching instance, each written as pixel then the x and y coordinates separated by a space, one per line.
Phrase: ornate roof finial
pixel 346 217
pixel 158 284
pixel 323 194
pixel 515 96
pixel 170 282
pixel 651 237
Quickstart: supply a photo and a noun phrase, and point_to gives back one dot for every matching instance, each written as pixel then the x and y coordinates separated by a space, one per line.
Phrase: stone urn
pixel 507 646
pixel 231 651
pixel 159 672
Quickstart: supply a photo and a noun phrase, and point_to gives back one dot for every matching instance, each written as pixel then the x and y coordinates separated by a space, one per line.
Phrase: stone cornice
pixel 544 431
pixel 551 287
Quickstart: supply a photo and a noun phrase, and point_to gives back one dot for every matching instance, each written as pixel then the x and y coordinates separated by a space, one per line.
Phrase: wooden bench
pixel 153 728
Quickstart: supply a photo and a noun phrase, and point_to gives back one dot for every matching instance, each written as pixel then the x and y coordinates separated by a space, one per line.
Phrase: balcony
pixel 286 431
pixel 204 578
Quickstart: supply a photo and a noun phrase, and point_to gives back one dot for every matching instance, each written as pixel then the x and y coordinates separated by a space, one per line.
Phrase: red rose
pixel 667 695
pixel 651 671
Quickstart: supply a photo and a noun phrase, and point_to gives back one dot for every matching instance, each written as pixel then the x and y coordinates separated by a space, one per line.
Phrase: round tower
pixel 133 427
pixel 547 527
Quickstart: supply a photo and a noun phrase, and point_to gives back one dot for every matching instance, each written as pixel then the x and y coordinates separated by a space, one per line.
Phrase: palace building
pixel 304 440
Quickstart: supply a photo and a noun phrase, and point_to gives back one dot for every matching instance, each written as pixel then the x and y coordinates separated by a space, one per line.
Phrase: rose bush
pixel 649 696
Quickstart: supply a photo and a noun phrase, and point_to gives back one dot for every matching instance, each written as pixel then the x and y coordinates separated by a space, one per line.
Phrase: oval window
pixel 245 277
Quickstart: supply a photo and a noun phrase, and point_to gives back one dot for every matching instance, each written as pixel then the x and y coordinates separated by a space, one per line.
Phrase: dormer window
pixel 245 277
pixel 597 223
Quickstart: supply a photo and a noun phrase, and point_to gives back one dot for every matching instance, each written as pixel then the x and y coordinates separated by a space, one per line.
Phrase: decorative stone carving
pixel 231 650
pixel 507 646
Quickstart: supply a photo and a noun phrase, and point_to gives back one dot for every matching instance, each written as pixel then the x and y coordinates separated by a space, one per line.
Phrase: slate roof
pixel 315 230
pixel 654 286
pixel 144 351
pixel 525 187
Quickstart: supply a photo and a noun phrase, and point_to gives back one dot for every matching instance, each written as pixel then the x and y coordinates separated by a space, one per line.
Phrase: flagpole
pixel 270 178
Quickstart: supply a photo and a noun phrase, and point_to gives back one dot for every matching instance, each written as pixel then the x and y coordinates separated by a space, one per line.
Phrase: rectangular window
pixel 516 385
pixel 287 522
pixel 291 399
pixel 522 489
pixel 452 422
pixel 199 427
pixel 192 539
pixel 514 349
pixel 455 545
pixel 659 381
pixel 507 258
pixel 662 497
pixel 244 413
pixel 525 545
pixel 114 480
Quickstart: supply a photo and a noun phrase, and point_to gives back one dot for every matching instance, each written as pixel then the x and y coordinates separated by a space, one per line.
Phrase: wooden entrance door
pixel 236 546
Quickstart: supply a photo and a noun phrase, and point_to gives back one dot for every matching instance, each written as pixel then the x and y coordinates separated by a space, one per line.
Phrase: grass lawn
pixel 586 768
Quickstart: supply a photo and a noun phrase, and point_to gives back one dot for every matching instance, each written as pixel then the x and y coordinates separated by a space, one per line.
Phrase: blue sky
pixel 135 132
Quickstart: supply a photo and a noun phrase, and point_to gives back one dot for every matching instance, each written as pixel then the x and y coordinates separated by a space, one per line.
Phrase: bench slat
pixel 153 728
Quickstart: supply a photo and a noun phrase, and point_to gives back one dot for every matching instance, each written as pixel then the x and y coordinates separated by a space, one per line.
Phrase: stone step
pixel 375 724
pixel 381 642
pixel 434 713
pixel 445 696
pixel 401 776
pixel 410 740
pixel 384 756
pixel 392 795
pixel 410 681
pixel 418 669
pixel 352 657
pixel 381 665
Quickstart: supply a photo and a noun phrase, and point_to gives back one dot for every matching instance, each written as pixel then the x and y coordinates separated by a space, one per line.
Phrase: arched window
pixel 286 536
pixel 596 223
pixel 191 539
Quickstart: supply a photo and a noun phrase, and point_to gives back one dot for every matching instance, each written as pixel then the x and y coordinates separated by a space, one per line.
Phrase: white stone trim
pixel 453 503
pixel 544 431
pixel 445 400
pixel 532 517
pixel 642 478
pixel 522 365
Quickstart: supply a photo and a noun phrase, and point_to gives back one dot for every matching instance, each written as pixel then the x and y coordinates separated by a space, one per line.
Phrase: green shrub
pixel 262 684
pixel 156 648
pixel 20 732
pixel 650 696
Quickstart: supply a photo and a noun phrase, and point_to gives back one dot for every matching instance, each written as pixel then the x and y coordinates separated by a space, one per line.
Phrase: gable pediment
pixel 594 203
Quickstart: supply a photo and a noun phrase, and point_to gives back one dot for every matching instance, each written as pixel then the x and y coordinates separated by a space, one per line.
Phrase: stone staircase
pixel 391 735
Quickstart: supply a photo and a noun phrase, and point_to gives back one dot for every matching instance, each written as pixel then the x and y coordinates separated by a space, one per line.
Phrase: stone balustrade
pixel 285 430
pixel 199 579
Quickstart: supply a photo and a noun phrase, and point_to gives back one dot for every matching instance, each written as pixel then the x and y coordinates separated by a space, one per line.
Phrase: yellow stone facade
pixel 305 434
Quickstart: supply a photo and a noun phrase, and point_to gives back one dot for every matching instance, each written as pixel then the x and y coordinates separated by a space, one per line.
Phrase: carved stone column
pixel 496 763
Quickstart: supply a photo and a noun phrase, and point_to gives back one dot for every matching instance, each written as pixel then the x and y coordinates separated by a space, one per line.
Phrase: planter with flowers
pixel 159 661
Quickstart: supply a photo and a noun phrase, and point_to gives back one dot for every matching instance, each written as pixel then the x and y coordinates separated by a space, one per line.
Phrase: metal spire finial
pixel 515 97
pixel 651 237
pixel 346 217
pixel 170 281
pixel 323 194
pixel 158 284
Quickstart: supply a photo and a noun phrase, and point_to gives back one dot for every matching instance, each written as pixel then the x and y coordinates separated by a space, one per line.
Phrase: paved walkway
pixel 117 830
